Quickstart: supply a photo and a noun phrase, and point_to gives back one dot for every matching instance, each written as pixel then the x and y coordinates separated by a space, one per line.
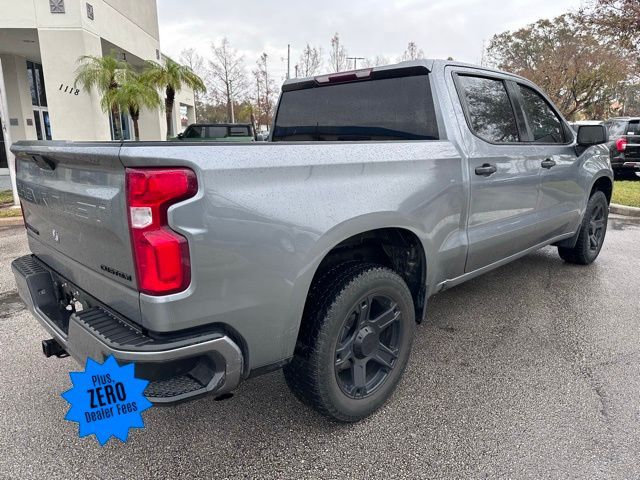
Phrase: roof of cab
pixel 429 64
pixel 207 124
pixel 625 119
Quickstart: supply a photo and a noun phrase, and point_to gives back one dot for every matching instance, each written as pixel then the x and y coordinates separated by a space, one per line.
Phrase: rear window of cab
pixel 399 108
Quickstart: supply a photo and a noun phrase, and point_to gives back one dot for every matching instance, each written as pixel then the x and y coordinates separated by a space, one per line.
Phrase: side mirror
pixel 589 135
pixel 181 136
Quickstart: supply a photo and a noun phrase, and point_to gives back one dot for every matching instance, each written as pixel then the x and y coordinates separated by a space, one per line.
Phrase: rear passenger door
pixel 548 141
pixel 504 183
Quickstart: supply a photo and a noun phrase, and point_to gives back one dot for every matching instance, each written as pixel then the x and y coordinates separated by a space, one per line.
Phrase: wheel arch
pixel 603 184
pixel 379 238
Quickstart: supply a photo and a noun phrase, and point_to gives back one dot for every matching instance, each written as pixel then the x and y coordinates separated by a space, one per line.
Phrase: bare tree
pixel 266 91
pixel 189 57
pixel 377 61
pixel 228 75
pixel 412 52
pixel 310 61
pixel 338 55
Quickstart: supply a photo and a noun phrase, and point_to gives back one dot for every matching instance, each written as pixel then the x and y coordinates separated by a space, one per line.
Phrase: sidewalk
pixel 5 181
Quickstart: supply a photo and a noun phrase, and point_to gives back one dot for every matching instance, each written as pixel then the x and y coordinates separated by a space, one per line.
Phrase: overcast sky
pixel 441 28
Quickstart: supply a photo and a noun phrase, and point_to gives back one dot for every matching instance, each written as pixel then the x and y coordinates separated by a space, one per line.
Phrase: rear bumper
pixel 178 367
pixel 625 164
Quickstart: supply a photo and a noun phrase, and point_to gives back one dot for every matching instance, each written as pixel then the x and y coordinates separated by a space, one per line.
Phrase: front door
pixel 550 145
pixel 3 151
pixel 504 183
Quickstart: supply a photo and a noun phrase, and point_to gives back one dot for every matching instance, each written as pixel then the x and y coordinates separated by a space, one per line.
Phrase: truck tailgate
pixel 74 202
pixel 632 152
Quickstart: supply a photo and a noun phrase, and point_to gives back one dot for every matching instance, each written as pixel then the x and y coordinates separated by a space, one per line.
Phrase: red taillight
pixel 621 144
pixel 161 255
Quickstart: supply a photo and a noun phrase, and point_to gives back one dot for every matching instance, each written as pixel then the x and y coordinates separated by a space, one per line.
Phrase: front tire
pixel 355 340
pixel 591 234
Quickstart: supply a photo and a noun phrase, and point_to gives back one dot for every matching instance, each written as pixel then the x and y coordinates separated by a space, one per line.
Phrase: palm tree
pixel 104 74
pixel 133 94
pixel 171 77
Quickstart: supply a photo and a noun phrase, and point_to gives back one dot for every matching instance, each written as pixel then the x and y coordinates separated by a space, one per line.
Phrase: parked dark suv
pixel 624 144
pixel 218 132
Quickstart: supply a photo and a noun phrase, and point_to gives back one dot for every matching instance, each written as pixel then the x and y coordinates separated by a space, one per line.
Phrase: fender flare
pixel 327 242
pixel 571 241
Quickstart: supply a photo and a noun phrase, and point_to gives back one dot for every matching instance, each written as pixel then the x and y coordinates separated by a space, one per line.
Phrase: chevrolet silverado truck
pixel 206 264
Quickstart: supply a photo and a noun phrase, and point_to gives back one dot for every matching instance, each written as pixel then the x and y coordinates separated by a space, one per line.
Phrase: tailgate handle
pixel 44 162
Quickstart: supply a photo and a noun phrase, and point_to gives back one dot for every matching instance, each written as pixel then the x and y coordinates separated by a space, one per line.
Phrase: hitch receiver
pixel 51 347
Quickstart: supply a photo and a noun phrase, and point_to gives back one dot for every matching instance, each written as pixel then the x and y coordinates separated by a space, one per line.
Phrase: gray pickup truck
pixel 209 263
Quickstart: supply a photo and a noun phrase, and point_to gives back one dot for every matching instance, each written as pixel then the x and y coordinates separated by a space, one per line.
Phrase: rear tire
pixel 354 344
pixel 591 234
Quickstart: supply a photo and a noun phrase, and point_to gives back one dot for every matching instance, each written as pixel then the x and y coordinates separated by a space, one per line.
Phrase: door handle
pixel 486 169
pixel 548 163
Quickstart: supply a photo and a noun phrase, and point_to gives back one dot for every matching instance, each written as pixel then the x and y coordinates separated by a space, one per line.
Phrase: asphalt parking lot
pixel 531 371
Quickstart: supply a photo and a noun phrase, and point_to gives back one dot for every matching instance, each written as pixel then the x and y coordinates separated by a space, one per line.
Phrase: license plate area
pixel 53 296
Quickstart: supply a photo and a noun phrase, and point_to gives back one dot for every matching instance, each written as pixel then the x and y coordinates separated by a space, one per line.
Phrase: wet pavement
pixel 530 371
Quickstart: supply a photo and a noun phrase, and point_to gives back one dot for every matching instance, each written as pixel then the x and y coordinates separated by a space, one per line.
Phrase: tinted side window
pixel 490 111
pixel 194 131
pixel 546 126
pixel 398 108
pixel 616 127
pixel 217 132
pixel 634 128
pixel 239 131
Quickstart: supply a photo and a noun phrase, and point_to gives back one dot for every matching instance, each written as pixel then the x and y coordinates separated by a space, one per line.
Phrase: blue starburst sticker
pixel 106 400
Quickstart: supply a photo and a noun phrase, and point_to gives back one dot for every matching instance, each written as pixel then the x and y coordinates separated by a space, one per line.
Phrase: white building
pixel 40 43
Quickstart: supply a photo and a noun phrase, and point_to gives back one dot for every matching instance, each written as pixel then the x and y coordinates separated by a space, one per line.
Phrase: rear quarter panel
pixel 593 163
pixel 267 214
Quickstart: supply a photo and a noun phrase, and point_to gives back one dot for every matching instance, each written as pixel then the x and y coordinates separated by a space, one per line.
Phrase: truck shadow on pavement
pixel 502 361
pixel 535 358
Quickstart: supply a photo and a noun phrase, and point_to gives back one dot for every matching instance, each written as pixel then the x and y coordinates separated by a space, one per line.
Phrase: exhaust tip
pixel 52 348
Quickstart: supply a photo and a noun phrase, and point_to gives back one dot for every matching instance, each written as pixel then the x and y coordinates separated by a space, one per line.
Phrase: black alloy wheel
pixel 590 236
pixel 367 350
pixel 597 223
pixel 354 341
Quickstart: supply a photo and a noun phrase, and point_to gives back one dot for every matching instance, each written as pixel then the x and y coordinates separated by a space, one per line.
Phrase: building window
pixel 42 124
pixel 120 126
pixel 90 11
pixel 184 116
pixel 36 84
pixel 56 6
pixel 41 121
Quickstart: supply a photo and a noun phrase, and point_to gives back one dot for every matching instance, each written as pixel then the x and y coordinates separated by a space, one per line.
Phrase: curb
pixel 11 222
pixel 624 210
